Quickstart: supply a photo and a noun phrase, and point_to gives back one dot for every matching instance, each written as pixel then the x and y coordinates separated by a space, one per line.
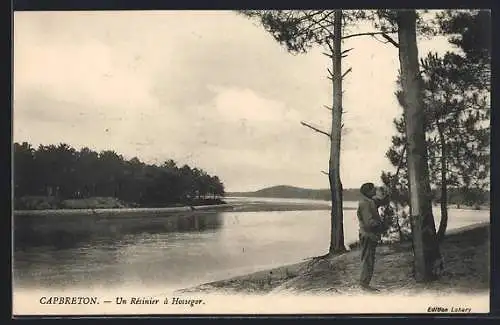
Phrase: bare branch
pixel 327 107
pixel 328 55
pixel 345 73
pixel 327 174
pixel 368 34
pixel 316 129
pixel 345 51
pixel 390 40
pixel 330 47
pixel 325 28
pixel 329 72
pixel 379 40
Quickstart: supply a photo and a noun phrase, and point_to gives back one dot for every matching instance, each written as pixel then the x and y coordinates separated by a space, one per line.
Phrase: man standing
pixel 371 227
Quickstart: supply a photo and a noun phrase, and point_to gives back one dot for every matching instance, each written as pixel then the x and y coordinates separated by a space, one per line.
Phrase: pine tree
pixel 456 98
pixel 299 30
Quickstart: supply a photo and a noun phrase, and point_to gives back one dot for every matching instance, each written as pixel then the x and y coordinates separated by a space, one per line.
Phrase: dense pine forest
pixel 60 172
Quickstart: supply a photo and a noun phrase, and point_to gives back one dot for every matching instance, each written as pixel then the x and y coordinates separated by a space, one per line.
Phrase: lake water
pixel 194 250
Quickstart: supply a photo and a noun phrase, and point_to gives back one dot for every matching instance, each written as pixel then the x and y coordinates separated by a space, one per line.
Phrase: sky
pixel 211 89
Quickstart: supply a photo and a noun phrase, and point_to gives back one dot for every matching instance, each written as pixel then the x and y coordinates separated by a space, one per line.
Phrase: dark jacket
pixel 370 223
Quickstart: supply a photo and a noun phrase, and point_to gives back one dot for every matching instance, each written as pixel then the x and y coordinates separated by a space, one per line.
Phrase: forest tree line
pixel 63 172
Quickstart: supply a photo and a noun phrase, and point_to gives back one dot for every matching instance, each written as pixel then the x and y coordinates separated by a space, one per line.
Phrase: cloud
pixel 235 104
pixel 211 89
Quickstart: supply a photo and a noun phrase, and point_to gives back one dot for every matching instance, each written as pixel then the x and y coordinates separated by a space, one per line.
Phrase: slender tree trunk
pixel 337 215
pixel 443 224
pixel 426 248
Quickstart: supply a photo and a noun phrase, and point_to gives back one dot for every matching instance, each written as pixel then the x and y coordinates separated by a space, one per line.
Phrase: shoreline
pixel 111 206
pixel 232 207
pixel 393 268
pixel 118 211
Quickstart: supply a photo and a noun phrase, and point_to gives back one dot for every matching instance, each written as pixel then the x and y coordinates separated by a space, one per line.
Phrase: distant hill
pixel 350 194
pixel 291 192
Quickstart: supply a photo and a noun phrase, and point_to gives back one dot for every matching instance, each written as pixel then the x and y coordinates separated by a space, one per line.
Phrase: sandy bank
pixel 466 269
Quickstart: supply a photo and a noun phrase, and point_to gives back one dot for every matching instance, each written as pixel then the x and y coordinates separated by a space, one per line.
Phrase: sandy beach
pixel 465 254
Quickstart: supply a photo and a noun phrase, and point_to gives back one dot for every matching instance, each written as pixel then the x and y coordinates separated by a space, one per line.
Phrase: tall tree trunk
pixel 443 224
pixel 337 215
pixel 426 248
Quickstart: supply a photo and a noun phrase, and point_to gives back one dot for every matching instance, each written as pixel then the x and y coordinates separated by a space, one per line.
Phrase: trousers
pixel 368 247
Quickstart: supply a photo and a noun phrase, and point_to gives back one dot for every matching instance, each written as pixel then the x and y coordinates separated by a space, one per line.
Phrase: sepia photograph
pixel 236 162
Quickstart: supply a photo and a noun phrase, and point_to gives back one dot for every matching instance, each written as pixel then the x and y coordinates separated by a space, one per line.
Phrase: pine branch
pixel 320 25
pixel 330 47
pixel 368 34
pixel 346 51
pixel 345 73
pixel 315 129
pixel 310 28
pixel 306 16
pixel 390 40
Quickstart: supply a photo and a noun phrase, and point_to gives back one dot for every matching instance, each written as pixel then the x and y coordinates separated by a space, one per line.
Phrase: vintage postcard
pixel 251 162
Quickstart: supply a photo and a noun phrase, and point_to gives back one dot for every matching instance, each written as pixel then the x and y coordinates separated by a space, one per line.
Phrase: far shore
pixel 235 207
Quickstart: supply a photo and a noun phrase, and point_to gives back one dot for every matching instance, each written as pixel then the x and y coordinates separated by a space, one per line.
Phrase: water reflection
pixel 176 251
pixel 111 252
pixel 62 232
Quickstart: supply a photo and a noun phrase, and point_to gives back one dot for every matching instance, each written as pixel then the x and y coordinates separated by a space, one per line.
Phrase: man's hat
pixel 366 188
